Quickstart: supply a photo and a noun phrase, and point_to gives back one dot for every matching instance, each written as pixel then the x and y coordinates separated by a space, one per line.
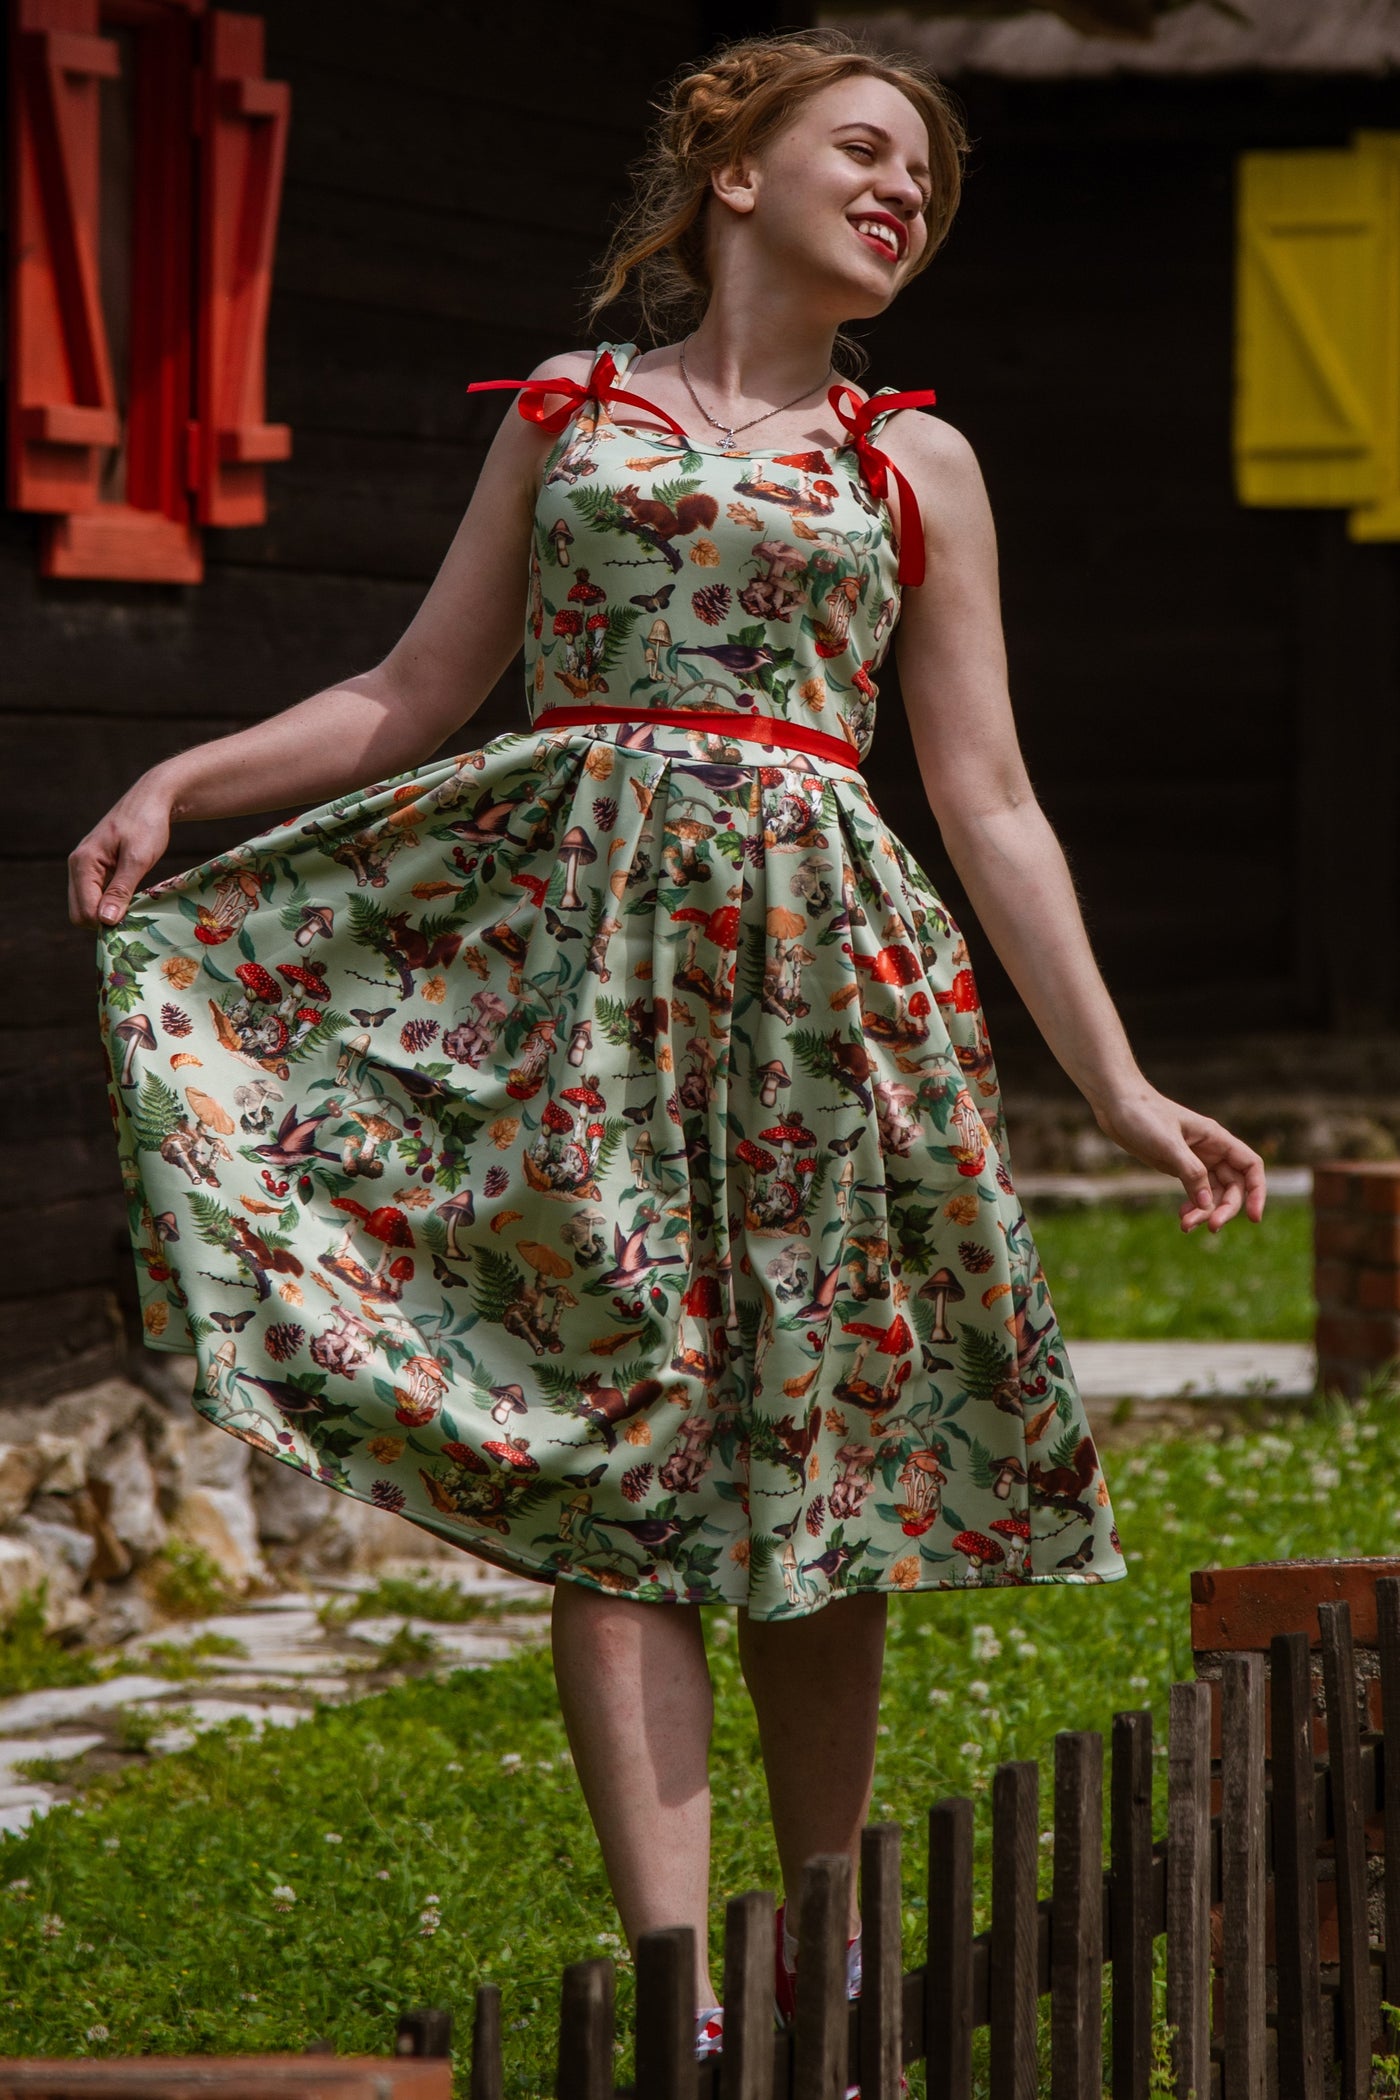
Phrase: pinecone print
pixel 284 1340
pixel 174 1020
pixel 976 1260
pixel 497 1181
pixel 816 1515
pixel 605 812
pixel 387 1494
pixel 417 1036
pixel 636 1481
pixel 712 603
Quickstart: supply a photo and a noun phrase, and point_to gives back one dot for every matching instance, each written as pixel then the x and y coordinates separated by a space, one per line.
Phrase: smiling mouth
pixel 881 236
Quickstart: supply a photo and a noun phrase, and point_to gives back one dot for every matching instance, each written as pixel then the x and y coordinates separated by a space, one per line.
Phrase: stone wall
pixel 97 1486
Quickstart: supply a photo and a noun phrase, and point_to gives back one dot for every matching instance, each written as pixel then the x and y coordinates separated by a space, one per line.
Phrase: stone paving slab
pixel 323 1689
pixel 199 1714
pixel 72 1702
pixel 278 1662
pixel 18 1750
pixel 1283 1184
pixel 1146 1371
pixel 464 1644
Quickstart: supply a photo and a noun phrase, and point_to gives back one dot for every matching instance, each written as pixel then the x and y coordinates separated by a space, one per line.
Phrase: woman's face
pixel 840 193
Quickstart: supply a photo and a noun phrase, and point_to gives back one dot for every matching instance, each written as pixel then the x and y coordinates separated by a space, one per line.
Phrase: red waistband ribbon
pixel 769 730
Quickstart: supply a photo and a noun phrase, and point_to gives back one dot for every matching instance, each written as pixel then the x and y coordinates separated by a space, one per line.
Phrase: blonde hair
pixel 715 114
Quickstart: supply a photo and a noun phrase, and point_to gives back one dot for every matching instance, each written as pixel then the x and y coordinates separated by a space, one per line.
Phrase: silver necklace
pixel 729 431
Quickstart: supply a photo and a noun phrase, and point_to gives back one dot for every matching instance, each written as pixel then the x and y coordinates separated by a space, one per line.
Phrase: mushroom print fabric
pixel 589 1146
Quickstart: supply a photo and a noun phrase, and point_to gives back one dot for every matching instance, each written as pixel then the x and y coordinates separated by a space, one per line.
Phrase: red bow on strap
pixel 600 388
pixel 877 466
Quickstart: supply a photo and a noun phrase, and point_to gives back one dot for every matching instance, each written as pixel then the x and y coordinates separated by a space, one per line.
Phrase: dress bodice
pixel 664 573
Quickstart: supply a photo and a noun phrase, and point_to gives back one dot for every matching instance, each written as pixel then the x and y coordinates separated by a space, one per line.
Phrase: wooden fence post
pixel 1188 1888
pixel 666 2065
pixel 822 2026
pixel 746 2069
pixel 488 2079
pixel 1295 1869
pixel 882 1961
pixel 1242 1872
pixel 585 2063
pixel 1130 1904
pixel 427 2030
pixel 1015 1989
pixel 1076 1921
pixel 948 1953
pixel 1349 1835
pixel 1388 1640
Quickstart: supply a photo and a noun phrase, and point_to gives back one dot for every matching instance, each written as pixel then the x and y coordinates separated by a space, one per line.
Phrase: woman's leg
pixel 634 1686
pixel 815 1686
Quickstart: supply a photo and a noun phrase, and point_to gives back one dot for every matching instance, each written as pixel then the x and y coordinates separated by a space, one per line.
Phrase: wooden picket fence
pixel 1247 1844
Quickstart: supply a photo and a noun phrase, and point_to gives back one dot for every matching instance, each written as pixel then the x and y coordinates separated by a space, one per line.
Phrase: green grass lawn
pixel 259 1894
pixel 1133 1274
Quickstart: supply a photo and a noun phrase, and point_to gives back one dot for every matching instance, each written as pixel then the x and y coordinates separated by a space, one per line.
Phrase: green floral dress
pixel 589 1146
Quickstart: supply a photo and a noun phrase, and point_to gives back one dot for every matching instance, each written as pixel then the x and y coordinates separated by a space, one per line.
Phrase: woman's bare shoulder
pixel 940 462
pixel 565 364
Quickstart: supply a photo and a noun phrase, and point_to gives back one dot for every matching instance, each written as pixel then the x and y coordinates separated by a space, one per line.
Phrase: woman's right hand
pixel 105 869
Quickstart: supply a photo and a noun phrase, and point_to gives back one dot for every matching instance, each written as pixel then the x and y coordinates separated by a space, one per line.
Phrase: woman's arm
pixel 952 668
pixel 382 721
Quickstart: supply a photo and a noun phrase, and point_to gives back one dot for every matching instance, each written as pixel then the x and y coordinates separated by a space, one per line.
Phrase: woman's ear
pixel 735 186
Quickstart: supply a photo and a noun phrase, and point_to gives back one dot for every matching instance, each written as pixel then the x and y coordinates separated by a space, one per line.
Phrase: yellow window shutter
pixel 1381 520
pixel 1316 346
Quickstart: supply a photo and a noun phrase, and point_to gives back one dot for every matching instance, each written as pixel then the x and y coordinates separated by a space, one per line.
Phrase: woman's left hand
pixel 1220 1173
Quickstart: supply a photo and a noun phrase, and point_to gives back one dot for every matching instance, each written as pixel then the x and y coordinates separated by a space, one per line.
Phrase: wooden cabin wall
pixel 1205 694
pixel 449 170
pixel 1208 696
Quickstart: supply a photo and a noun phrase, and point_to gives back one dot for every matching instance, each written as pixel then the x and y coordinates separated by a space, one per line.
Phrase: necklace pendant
pixel 728 436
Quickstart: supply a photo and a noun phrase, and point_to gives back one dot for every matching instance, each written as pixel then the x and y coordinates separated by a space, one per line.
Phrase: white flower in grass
pixel 1139 1684
pixel 979 1689
pixel 428 1923
pixel 973 1750
pixel 111 1844
pixel 609 1939
pixel 1325 1477
pixel 985 1645
pixel 939 1696
pixel 283 1896
pixel 52 1926
pixel 382 1875
pixel 1047 1839
pixel 333 1837
pixel 99 2033
pixel 512 1757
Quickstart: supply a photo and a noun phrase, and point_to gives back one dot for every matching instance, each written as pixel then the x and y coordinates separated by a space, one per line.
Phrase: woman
pixel 591 1146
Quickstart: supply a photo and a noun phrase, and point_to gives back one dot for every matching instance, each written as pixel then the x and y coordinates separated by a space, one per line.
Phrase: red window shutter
pixel 242 147
pixel 62 403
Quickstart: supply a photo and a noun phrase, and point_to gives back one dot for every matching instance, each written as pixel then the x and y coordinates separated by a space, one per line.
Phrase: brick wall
pixel 1356 1246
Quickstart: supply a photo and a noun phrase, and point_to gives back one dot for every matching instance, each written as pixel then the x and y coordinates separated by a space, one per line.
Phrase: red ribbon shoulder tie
pixel 599 388
pixel 876 467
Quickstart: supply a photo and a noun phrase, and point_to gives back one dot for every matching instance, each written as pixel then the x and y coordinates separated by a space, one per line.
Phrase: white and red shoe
pixel 709 2033
pixel 785 1981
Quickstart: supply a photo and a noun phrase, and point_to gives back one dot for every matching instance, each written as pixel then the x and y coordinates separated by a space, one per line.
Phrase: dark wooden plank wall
pixel 1187 673
pixel 449 171
pixel 1177 664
